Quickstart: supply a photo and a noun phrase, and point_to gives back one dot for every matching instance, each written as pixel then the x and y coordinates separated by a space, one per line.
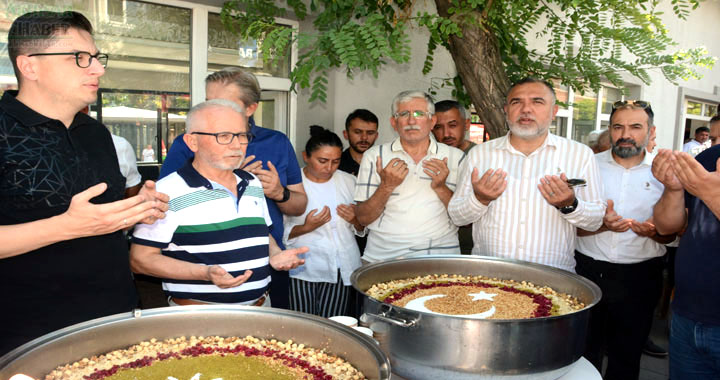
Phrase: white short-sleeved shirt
pixel 634 193
pixel 332 245
pixel 127 161
pixel 415 220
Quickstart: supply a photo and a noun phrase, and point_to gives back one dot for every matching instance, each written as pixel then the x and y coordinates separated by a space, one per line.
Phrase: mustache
pixel 411 128
pixel 231 154
pixel 628 141
pixel 525 116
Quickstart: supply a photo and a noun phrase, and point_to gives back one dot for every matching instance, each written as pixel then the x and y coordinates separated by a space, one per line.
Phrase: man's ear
pixel 191 142
pixel 250 110
pixel 27 67
pixel 393 123
pixel 345 134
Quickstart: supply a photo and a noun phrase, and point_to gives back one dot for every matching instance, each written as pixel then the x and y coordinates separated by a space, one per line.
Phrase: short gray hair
pixel 192 116
pixel 250 91
pixel 407 96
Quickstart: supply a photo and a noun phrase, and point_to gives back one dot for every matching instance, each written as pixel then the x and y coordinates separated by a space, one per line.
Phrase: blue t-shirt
pixel 697 265
pixel 267 145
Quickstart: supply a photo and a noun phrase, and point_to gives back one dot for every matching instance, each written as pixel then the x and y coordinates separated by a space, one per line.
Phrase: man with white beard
pixel 214 246
pixel 404 186
pixel 515 189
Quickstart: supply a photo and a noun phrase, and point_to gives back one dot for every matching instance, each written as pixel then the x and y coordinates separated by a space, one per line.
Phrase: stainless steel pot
pixel 102 335
pixel 430 346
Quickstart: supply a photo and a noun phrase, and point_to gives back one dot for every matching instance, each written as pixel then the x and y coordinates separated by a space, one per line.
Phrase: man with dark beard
pixel 453 122
pixel 361 131
pixel 624 256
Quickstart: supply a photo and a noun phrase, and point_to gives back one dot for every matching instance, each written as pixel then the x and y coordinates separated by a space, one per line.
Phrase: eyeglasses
pixel 226 138
pixel 637 103
pixel 417 114
pixel 82 58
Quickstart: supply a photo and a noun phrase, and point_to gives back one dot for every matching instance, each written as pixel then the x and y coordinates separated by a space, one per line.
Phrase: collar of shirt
pixel 195 179
pixel 30 117
pixel 550 141
pixel 396 146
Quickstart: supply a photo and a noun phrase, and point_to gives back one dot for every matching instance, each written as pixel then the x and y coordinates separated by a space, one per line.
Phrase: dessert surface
pixel 210 358
pixel 477 297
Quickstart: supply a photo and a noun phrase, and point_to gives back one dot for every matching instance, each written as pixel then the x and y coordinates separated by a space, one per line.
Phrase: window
pixel 146 87
pixel 710 110
pixel 148 75
pixel 584 115
pixel 609 97
pixel 693 108
pixel 226 49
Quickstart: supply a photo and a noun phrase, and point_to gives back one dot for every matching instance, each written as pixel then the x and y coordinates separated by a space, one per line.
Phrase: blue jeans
pixel 694 350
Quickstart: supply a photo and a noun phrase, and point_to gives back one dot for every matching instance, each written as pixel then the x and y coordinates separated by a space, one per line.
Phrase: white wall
pixel 701 29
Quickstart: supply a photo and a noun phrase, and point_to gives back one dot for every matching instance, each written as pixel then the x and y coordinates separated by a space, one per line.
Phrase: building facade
pixel 161 51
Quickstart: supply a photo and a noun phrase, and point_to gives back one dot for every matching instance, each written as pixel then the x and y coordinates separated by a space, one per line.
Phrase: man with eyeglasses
pixel 214 246
pixel 270 157
pixel 517 190
pixel 404 186
pixel 625 256
pixel 63 257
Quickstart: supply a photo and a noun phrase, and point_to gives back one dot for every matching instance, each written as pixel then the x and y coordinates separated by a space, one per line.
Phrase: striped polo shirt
pixel 206 224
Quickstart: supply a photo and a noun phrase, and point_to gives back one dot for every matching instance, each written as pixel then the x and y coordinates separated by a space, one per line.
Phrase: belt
pixel 188 302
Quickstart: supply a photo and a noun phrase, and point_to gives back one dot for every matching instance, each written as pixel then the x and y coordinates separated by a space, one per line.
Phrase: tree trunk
pixel 478 62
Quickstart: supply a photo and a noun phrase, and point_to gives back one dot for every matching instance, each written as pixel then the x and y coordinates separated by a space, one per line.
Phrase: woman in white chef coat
pixel 328 225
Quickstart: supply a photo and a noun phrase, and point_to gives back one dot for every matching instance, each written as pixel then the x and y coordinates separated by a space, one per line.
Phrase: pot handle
pixel 385 316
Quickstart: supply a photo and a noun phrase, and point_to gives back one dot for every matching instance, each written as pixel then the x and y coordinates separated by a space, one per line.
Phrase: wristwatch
pixel 569 209
pixel 286 195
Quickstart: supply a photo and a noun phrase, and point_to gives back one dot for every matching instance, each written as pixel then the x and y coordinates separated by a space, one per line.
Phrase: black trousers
pixel 280 289
pixel 620 323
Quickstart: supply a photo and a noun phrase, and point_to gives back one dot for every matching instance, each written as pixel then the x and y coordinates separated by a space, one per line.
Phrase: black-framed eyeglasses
pixel 82 58
pixel 637 103
pixel 226 138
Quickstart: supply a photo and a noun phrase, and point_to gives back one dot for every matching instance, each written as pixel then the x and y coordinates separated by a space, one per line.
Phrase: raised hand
pixel 346 212
pixel 160 201
pixel 645 229
pixel 664 171
pixel 220 277
pixel 556 191
pixel 614 222
pixel 437 170
pixel 393 174
pixel 288 259
pixel 249 166
pixel 488 187
pixel 84 218
pixel 693 176
pixel 315 219
pixel 272 187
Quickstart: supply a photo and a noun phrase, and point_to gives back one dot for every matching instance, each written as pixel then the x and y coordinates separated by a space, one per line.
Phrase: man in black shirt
pixel 63 258
pixel 361 131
